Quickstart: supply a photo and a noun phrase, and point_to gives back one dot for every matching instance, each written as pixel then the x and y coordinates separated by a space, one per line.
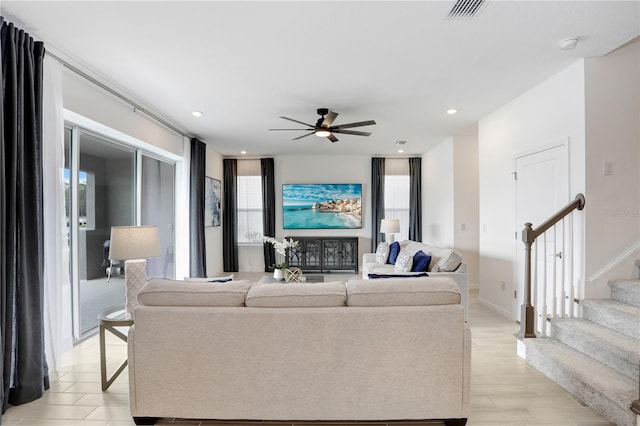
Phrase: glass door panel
pixel 105 198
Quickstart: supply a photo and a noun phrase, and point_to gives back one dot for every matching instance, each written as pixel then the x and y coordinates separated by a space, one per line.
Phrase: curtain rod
pixel 118 95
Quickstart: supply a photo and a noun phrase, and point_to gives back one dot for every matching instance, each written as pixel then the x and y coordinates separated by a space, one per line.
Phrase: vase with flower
pixel 281 250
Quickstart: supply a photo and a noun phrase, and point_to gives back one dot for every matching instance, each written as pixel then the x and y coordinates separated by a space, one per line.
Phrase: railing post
pixel 527 315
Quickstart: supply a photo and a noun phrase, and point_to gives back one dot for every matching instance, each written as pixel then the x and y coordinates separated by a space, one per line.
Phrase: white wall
pixel 613 136
pixel 551 111
pixel 438 195
pixel 466 202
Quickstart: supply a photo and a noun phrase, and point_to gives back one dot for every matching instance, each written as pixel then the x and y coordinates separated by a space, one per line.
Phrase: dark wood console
pixel 324 254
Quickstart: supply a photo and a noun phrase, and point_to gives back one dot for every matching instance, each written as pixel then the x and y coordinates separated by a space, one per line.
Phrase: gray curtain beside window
pixel 268 210
pixel 415 199
pixel 22 358
pixel 198 253
pixel 230 215
pixel 377 200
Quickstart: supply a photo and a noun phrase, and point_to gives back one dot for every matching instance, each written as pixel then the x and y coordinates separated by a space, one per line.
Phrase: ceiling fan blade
pixel 332 138
pixel 358 124
pixel 297 130
pixel 328 120
pixel 299 122
pixel 303 136
pixel 351 132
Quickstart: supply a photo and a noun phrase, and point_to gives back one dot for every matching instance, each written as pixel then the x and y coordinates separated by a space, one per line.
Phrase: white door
pixel 542 188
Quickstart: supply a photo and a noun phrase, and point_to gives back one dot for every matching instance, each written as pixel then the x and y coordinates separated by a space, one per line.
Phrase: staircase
pixel 596 358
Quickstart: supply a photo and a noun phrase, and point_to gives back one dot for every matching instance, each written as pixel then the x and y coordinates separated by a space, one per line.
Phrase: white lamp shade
pixel 134 242
pixel 390 226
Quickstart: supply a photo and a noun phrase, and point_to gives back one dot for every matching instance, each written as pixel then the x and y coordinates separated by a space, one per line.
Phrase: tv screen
pixel 322 206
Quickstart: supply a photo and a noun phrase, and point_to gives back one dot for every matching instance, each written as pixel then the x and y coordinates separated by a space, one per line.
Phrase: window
pixel 396 194
pixel 249 210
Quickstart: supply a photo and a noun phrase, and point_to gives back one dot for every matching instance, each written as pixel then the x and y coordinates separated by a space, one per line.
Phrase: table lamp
pixel 389 227
pixel 134 244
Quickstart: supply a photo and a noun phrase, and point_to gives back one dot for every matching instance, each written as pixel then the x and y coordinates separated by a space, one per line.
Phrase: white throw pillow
pixel 382 253
pixel 404 262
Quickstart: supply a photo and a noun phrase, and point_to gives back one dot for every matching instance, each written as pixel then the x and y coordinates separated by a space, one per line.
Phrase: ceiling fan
pixel 324 129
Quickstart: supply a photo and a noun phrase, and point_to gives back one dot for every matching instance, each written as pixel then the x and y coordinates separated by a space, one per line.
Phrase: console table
pixel 324 254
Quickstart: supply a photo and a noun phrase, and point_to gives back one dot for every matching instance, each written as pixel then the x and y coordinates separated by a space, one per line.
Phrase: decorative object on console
pixel 322 206
pixel 134 244
pixel 281 251
pixel 293 275
pixel 388 227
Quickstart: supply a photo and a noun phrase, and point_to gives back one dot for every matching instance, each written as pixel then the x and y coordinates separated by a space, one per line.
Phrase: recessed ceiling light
pixel 197 113
pixel 400 151
pixel 243 152
pixel 452 111
pixel 401 142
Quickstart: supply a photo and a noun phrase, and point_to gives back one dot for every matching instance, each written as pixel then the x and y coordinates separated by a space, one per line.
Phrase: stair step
pixel 626 291
pixel 600 387
pixel 615 350
pixel 617 316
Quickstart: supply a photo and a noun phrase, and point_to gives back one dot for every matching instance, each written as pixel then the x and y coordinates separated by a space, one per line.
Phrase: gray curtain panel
pixel 377 200
pixel 268 210
pixel 23 364
pixel 198 254
pixel 415 199
pixel 229 215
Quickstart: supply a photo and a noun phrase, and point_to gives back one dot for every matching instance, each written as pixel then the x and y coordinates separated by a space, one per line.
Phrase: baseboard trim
pixel 631 251
pixel 495 308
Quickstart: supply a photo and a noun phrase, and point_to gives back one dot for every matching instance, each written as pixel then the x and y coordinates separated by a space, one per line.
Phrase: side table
pixel 109 319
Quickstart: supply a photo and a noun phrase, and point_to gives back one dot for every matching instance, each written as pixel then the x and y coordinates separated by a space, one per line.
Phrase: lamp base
pixel 135 276
pixel 390 238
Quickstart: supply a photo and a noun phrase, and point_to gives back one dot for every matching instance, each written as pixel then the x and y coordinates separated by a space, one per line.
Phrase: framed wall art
pixel 212 202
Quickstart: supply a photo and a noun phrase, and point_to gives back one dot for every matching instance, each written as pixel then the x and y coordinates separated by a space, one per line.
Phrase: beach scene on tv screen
pixel 322 206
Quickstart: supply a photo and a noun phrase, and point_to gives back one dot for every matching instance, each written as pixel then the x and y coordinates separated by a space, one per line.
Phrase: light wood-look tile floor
pixel 505 390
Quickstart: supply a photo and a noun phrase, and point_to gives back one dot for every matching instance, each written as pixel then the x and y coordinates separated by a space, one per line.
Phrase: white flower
pixel 281 246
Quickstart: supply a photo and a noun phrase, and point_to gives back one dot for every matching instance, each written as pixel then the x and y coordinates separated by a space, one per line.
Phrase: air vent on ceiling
pixel 465 9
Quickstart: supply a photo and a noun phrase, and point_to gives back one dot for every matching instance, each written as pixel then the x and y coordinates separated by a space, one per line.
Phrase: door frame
pixel 518 244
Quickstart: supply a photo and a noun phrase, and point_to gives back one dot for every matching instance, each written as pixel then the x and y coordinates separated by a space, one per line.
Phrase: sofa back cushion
pixel 442 259
pixel 403 292
pixel 296 295
pixel 163 292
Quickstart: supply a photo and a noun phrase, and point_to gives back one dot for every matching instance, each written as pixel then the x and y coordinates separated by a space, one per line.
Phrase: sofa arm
pixel 368 258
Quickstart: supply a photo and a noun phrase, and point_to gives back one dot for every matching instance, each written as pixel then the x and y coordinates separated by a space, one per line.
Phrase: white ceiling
pixel 244 64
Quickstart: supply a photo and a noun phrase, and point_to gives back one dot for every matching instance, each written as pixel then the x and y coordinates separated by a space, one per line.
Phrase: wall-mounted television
pixel 322 206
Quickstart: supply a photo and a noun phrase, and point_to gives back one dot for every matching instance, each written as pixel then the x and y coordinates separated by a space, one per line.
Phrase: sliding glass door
pixel 111 184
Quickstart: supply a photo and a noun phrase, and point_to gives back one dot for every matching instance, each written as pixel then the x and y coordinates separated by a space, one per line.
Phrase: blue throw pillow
pixel 375 276
pixel 421 262
pixel 394 251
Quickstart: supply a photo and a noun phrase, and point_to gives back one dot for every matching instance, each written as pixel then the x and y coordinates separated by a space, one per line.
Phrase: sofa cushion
pixel 442 259
pixel 404 261
pixel 394 250
pixel 403 292
pixel 163 292
pixel 382 253
pixel 297 295
pixel 420 262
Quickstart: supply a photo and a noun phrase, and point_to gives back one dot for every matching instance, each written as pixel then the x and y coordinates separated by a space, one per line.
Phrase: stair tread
pixel 590 372
pixel 614 305
pixel 602 335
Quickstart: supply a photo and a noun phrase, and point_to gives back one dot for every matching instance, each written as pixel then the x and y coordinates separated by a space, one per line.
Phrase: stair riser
pixel 623 324
pixel 623 362
pixel 600 402
pixel 628 296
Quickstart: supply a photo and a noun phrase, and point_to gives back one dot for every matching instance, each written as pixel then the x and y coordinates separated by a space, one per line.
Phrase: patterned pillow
pixel 382 253
pixel 404 262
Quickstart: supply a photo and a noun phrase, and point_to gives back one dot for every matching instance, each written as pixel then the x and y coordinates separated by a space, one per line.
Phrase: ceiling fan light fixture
pixel 322 133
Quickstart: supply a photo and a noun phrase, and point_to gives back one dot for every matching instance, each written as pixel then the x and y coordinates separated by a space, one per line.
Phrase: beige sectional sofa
pixel 445 262
pixel 363 350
